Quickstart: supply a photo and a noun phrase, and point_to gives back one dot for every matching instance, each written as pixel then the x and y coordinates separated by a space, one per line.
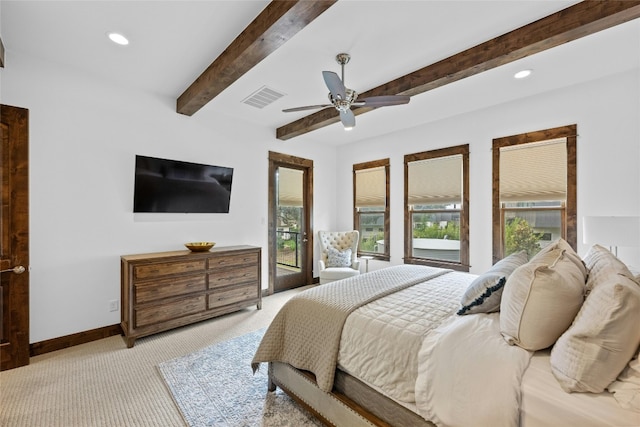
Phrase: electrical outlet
pixel 114 305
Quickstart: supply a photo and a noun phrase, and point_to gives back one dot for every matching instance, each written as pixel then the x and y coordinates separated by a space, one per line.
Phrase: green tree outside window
pixel 518 235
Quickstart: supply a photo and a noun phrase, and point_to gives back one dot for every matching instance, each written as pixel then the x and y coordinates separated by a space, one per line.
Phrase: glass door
pixel 290 251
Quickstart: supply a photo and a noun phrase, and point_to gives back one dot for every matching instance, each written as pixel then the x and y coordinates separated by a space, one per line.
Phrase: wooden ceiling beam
pixel 572 23
pixel 273 27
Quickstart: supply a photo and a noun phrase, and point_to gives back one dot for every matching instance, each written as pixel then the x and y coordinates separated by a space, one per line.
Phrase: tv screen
pixel 163 185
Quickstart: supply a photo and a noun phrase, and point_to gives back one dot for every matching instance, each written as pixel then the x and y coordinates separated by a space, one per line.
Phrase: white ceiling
pixel 172 42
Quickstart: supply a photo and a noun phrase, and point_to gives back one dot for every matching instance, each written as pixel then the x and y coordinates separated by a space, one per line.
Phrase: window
pixel 371 207
pixel 437 208
pixel 534 190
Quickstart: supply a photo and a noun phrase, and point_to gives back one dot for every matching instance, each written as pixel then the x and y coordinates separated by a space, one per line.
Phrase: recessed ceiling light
pixel 522 74
pixel 118 39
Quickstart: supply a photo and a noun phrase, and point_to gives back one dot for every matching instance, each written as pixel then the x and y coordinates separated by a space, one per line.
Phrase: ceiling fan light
pixel 348 128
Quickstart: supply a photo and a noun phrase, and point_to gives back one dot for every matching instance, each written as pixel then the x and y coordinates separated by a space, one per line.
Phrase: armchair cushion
pixel 336 258
pixel 331 274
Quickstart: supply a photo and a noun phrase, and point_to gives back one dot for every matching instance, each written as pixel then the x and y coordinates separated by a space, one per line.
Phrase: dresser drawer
pixel 169 287
pixel 146 271
pixel 232 295
pixel 233 260
pixel 233 276
pixel 174 310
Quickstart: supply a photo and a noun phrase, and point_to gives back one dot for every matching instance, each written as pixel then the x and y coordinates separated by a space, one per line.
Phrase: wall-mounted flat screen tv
pixel 174 186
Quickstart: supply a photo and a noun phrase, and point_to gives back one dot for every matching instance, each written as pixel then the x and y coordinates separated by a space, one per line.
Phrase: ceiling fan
pixel 343 98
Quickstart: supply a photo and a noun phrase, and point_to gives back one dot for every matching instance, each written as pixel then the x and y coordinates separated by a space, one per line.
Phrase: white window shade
pixel 534 172
pixel 371 187
pixel 290 187
pixel 435 181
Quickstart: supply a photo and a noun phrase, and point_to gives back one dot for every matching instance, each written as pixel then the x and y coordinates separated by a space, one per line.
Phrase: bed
pixel 547 341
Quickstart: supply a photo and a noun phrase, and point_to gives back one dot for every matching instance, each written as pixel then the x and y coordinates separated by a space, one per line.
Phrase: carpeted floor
pixel 216 387
pixel 106 384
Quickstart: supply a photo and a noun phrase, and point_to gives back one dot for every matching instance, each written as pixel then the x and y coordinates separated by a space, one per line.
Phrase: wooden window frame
pixel 463 265
pixel 356 215
pixel 569 223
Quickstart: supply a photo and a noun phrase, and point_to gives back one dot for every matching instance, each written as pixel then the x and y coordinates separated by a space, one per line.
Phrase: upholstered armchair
pixel 338 259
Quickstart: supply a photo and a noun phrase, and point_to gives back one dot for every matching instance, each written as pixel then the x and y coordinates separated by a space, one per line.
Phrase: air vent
pixel 262 97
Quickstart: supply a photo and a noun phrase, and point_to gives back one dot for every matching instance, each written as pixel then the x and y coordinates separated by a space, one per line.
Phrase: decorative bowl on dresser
pixel 199 246
pixel 165 290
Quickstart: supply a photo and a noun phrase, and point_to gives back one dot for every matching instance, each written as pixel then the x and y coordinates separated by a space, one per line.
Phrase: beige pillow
pixel 561 244
pixel 542 297
pixel 602 339
pixel 602 265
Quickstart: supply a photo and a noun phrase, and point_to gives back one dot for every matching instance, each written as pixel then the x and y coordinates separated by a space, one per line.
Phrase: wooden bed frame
pixel 351 402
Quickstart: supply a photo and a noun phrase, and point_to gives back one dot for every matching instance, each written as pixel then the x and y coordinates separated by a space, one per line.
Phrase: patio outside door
pixel 290 231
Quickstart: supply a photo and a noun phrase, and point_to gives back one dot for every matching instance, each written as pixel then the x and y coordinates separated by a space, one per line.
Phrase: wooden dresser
pixel 165 290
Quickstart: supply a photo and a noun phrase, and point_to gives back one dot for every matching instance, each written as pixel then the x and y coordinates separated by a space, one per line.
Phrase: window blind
pixel 290 187
pixel 371 187
pixel 535 171
pixel 435 181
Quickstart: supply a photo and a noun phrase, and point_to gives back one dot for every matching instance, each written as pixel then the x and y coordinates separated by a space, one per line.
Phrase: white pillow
pixel 602 265
pixel 484 293
pixel 336 258
pixel 541 298
pixel 602 339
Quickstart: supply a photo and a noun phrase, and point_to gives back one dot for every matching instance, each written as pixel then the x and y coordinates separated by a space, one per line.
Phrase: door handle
pixel 18 269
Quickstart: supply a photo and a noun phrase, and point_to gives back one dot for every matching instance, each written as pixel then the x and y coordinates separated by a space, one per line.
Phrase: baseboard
pixel 67 341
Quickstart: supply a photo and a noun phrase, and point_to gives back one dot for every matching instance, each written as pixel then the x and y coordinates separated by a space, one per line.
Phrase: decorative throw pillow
pixel 484 293
pixel 602 339
pixel 336 258
pixel 541 298
pixel 602 265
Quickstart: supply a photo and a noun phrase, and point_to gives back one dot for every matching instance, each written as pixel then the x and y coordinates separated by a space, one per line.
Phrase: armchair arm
pixel 321 265
pixel 356 264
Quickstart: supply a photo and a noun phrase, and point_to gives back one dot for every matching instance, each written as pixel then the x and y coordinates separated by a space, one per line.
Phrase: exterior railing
pixel 288 252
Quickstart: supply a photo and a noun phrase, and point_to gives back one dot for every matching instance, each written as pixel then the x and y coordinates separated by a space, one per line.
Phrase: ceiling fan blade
pixel 348 118
pixel 308 107
pixel 335 85
pixel 382 101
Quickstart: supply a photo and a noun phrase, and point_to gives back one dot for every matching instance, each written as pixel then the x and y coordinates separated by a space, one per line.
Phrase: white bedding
pixel 380 341
pixel 458 370
pixel 390 344
pixel 469 376
pixel 544 403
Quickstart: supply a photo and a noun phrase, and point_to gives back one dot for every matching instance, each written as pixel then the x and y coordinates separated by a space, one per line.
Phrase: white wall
pixel 84 135
pixel 607 113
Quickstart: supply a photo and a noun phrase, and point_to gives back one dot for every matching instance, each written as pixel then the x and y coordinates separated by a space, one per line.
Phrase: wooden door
pixel 14 239
pixel 290 228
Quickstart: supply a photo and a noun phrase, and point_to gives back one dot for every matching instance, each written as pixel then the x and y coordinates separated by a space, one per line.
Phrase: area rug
pixel 216 387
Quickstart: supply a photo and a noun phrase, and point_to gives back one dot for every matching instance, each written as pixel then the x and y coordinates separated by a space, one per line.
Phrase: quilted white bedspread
pixel 381 340
pixel 306 331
